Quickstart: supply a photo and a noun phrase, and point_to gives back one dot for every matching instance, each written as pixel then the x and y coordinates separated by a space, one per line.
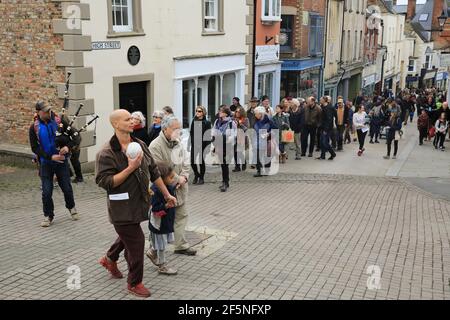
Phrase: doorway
pixel 133 97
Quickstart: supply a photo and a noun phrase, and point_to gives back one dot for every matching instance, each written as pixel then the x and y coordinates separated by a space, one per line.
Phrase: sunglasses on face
pixel 199 111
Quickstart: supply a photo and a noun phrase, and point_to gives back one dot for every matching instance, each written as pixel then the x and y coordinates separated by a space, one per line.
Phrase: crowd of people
pixel 244 136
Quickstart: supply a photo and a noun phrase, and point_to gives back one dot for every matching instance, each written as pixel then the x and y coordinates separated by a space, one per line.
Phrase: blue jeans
pixel 61 170
pixel 325 144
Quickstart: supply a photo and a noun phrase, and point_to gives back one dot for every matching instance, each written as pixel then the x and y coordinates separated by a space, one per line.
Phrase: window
pixel 315 34
pixel 271 10
pixel 411 66
pixel 348 47
pixel 265 85
pixel 211 15
pixel 286 40
pixel 360 45
pixel 124 17
pixel 423 17
pixel 428 60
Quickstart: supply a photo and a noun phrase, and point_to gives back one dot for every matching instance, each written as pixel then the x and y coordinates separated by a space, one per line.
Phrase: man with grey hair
pixel 312 122
pixel 296 119
pixel 167 147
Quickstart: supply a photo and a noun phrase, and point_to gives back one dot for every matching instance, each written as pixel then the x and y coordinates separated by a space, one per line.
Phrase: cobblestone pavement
pixel 289 236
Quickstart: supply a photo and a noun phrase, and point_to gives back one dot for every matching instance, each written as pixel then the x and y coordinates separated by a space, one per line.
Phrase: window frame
pixel 319 33
pixel 219 8
pixel 271 17
pixel 290 43
pixel 134 18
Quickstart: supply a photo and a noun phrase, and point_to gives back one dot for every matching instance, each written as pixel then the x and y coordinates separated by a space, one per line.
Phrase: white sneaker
pixel 74 214
pixel 47 222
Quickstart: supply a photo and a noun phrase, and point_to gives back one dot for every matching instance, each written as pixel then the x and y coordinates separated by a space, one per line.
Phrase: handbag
pixel 432 132
pixel 287 136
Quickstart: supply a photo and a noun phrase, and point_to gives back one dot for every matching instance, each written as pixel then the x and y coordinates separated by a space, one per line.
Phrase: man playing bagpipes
pixel 52 148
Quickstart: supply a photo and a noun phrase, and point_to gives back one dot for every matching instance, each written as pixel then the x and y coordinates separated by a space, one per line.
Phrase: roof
pixel 403 8
pixel 423 21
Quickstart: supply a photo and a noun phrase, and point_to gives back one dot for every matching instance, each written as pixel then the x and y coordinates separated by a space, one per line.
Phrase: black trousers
pixel 132 240
pixel 75 161
pixel 340 136
pixel 361 138
pixel 311 132
pixel 423 134
pixel 389 143
pixel 198 160
pixel 440 139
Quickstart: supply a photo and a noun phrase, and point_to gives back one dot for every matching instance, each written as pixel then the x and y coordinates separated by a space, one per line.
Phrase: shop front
pixel 412 82
pixel 428 78
pixel 301 78
pixel 208 81
pixel 368 85
pixel 268 72
pixel 441 80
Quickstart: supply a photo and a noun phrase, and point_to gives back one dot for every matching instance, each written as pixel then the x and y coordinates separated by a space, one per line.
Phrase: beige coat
pixel 174 153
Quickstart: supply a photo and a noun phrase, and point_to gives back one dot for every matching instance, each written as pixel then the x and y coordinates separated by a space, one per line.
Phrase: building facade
pixel 302 47
pixel 267 68
pixel 133 54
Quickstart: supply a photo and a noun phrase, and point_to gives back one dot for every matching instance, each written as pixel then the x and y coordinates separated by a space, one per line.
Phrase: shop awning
pixel 300 65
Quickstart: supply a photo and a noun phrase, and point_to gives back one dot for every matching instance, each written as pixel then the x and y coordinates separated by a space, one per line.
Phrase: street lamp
pixel 442 19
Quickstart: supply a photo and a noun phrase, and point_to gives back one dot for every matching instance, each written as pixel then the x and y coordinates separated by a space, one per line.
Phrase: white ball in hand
pixel 133 150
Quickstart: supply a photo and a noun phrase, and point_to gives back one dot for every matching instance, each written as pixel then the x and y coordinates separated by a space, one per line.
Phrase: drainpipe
pixel 342 42
pixel 324 46
pixel 255 2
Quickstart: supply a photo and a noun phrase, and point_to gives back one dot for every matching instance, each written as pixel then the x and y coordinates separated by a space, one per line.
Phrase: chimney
pixel 438 7
pixel 411 11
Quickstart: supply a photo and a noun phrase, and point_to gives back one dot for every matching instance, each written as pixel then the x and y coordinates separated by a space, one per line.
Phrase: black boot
pixel 200 181
pixel 195 180
pixel 244 167
pixel 224 187
pixel 237 168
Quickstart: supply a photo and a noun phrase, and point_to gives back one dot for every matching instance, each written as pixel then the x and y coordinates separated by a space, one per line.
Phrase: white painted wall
pixel 173 29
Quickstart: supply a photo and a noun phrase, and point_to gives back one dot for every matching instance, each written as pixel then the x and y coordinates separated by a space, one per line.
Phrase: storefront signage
pixel 367 81
pixel 267 53
pixel 105 45
pixel 299 65
pixel 441 76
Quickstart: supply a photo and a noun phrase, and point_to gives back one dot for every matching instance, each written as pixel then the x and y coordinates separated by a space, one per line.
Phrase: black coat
pixel 153 133
pixel 142 135
pixel 329 117
pixel 297 120
pixel 205 127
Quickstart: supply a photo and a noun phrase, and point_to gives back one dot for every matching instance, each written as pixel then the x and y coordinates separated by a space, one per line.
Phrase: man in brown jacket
pixel 127 181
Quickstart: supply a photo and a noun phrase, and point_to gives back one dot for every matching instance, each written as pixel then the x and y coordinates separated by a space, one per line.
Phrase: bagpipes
pixel 67 134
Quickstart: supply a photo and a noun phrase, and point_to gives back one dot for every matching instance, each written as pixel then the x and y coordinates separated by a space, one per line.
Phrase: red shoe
pixel 111 266
pixel 139 290
pixel 359 153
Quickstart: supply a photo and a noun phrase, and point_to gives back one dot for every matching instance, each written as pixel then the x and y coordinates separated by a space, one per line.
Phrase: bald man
pixel 126 182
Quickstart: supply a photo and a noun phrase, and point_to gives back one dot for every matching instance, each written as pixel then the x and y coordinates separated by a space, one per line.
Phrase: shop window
pixel 265 85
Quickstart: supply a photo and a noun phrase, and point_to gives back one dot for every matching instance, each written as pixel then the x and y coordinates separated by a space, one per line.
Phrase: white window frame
pixel 273 16
pixel 124 28
pixel 214 17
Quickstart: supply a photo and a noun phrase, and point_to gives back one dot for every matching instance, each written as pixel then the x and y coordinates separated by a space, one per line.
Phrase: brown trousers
pixel 132 240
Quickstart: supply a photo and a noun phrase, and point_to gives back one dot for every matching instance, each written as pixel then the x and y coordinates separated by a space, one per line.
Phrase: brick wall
pixel 27 68
pixel 301 32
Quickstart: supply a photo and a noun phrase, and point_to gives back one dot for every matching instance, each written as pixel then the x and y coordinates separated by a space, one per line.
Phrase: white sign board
pixel 267 53
pixel 105 45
